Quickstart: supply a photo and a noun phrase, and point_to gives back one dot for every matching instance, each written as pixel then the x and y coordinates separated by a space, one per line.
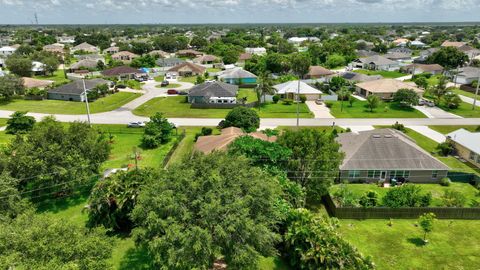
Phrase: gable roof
pixel 124 53
pixel 377 60
pixel 76 87
pixel 456 44
pixel 193 67
pixel 31 82
pixel 121 70
pixel 387 86
pixel 397 56
pixel 319 71
pixel 84 46
pixel 245 56
pixel 213 89
pixel 188 51
pixel 236 73
pixel 87 63
pixel 292 87
pixel 206 58
pixel 469 72
pixel 384 149
pixel 359 77
pixel 169 61
pixel 467 139
pixel 425 67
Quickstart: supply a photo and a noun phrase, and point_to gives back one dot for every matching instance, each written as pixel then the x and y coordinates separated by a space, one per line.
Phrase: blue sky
pixel 236 11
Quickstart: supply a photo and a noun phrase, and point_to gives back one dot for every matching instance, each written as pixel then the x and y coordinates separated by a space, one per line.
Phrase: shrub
pixel 157 131
pixel 329 104
pixel 399 127
pixel 369 199
pixel 452 198
pixel 445 148
pixel 406 196
pixel 445 182
pixel 244 118
pixel 205 132
pixel 19 122
pixel 344 196
pixel 275 99
pixel 287 101
pixel 303 98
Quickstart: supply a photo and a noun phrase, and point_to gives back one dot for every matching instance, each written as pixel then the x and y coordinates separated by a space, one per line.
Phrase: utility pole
pixel 476 93
pixel 298 104
pixel 86 102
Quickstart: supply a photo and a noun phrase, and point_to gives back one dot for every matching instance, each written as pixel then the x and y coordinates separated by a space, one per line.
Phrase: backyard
pixel 359 109
pixel 383 73
pixel 177 107
pixel 58 77
pixel 105 104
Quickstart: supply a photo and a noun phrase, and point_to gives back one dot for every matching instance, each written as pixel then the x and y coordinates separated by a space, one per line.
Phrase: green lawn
pixel 186 145
pixel 464 110
pixel 177 107
pixel 469 191
pixel 453 243
pixel 191 79
pixel 385 74
pixel 384 110
pixel 159 78
pixel 449 129
pixel 58 77
pixel 3 122
pixel 465 93
pixel 172 85
pixel 249 93
pixel 213 70
pixel 104 104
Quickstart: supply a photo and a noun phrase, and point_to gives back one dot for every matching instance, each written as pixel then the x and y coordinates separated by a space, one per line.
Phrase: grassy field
pixel 3 122
pixel 453 244
pixel 213 70
pixel 159 78
pixel 104 104
pixel 385 74
pixel 469 191
pixel 191 79
pixel 249 93
pixel 384 110
pixel 448 129
pixel 465 93
pixel 58 77
pixel 172 85
pixel 177 107
pixel 464 110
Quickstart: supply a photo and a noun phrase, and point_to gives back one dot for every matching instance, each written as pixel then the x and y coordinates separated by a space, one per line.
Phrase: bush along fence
pixel 400 213
pixel 169 155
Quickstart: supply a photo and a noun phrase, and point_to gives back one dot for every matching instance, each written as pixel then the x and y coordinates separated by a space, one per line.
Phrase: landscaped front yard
pixel 385 74
pixel 464 110
pixel 465 93
pixel 453 244
pixel 178 107
pixel 449 129
pixel 105 104
pixel 384 110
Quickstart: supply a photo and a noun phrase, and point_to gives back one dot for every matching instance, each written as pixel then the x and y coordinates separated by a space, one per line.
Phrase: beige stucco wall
pixel 464 153
pixel 415 176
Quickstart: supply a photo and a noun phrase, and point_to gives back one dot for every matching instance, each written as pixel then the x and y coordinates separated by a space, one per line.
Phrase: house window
pixel 406 174
pixel 374 174
pixel 434 174
pixel 474 156
pixel 353 174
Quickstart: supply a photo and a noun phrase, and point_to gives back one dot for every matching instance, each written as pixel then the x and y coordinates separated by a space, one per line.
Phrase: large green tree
pixel 244 118
pixel 158 131
pixel 205 208
pixel 20 66
pixel 315 159
pixel 10 86
pixel 20 122
pixel 260 152
pixel 12 202
pixel 448 57
pixel 407 97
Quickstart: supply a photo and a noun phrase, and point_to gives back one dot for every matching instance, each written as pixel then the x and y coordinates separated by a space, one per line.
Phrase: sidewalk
pixel 470 100
pixel 428 132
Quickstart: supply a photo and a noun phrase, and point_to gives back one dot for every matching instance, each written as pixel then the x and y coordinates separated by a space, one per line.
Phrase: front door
pixel 383 175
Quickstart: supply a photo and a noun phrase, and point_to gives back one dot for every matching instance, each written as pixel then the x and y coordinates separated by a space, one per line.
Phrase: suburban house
pixel 368 45
pixel 243 58
pixel 290 90
pixel 6 51
pixel 299 40
pixel 364 53
pixel 213 92
pixel 159 53
pixel 238 76
pixel 257 51
pixel 386 154
pixel 188 53
pixel 455 44
pixel 315 72
pixel 36 83
pixel 123 73
pixel 96 57
pixel 467 75
pixel 400 50
pixel 112 50
pixel 124 56
pixel 398 56
pixel 75 90
pixel 187 69
pixel 66 39
pixel 85 64
pixel 57 48
pixel 384 88
pixel 376 62
pixel 401 42
pixel 208 144
pixel 85 47
pixel 206 59
pixel 38 68
pixel 424 55
pixel 423 68
pixel 417 43
pixel 169 62
pixel 467 145
pixel 359 77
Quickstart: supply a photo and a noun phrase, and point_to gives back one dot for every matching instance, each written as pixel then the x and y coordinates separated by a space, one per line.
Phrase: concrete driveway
pixel 435 112
pixel 319 111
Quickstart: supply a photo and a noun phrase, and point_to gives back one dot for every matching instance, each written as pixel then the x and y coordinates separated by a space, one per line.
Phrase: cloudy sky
pixel 236 11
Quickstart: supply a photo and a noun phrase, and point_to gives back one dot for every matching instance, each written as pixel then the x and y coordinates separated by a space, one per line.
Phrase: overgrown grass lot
pixel 178 107
pixel 385 74
pixel 359 109
pixel 105 104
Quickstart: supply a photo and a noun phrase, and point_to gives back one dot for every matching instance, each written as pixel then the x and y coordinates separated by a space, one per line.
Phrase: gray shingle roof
pixel 377 60
pixel 385 149
pixel 236 73
pixel 76 87
pixel 213 89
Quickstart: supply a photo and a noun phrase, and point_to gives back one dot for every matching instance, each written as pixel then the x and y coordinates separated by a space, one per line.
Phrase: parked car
pixel 121 86
pixel 319 102
pixel 136 124
pixel 172 92
pixel 182 93
pixel 164 83
pixel 427 103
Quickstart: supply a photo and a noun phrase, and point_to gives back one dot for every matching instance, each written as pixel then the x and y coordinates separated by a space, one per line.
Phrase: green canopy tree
pixel 20 66
pixel 12 202
pixel 448 57
pixel 264 87
pixel 406 97
pixel 158 131
pixel 426 222
pixel 10 86
pixel 19 122
pixel 260 152
pixel 244 118
pixel 206 207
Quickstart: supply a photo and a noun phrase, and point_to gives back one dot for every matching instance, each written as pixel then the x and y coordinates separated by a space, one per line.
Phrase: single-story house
pixel 112 50
pixel 455 44
pixel 243 58
pixel 401 42
pixel 169 62
pixel 238 76
pixel 424 55
pixel 386 154
pixel 470 51
pixel 315 72
pixel 365 53
pixel 36 83
pixel 57 48
pixel 384 88
pixel 208 144
pixel 368 45
pixel 213 92
pixel 38 68
pixel 400 50
pixel 187 69
pixel 75 90
pixel 359 77
pixel 188 53
pixel 423 68
pixel 85 47
pixel 159 53
pixel 123 72
pixel 124 56
pixel 257 51
pixel 398 56
pixel 206 59
pixel 66 39
pixel 417 43
pixel 87 64
pixel 290 90
pixel 467 75
pixel 96 57
pixel 7 51
pixel 466 144
pixel 376 62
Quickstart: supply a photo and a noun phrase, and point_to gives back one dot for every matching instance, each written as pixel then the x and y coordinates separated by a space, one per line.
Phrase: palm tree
pixel 264 87
pixel 373 102
pixel 343 94
pixel 300 65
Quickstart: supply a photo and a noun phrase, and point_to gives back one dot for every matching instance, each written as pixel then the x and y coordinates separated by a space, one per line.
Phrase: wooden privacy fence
pixel 401 213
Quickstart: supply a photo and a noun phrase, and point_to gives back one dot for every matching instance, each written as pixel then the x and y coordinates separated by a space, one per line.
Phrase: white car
pixel 136 124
